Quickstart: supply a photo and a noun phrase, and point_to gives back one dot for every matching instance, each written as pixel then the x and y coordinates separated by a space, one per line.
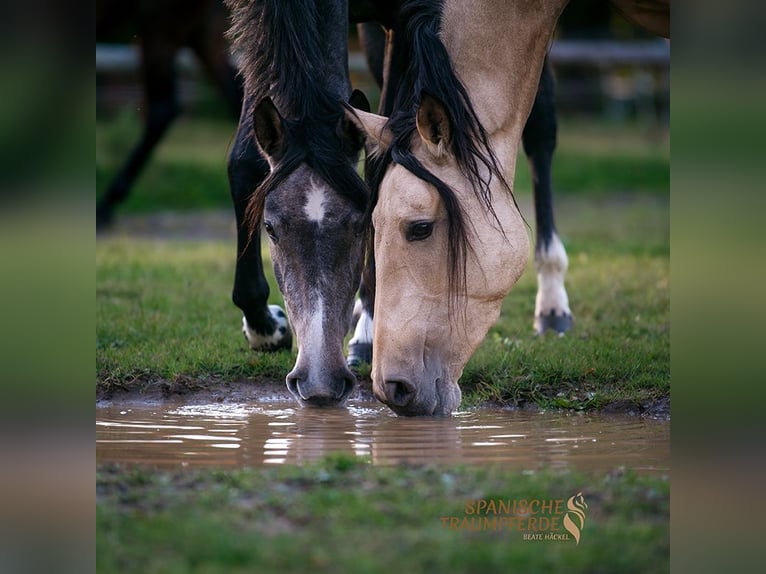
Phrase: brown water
pixel 234 435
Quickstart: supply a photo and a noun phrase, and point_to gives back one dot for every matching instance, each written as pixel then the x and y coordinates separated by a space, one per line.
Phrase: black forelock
pixel 281 56
pixel 318 144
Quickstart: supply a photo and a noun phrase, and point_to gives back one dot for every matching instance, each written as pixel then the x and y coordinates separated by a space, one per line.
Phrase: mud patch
pixel 262 390
pixel 204 390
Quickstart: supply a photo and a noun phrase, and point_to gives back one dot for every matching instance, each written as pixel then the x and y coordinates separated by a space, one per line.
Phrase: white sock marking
pixel 551 269
pixel 363 331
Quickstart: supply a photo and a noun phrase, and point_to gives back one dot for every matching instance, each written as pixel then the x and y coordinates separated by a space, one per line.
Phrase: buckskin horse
pixel 552 312
pixel 449 241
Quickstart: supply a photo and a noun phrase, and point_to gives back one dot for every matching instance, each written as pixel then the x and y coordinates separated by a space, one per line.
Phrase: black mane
pixel 282 57
pixel 427 69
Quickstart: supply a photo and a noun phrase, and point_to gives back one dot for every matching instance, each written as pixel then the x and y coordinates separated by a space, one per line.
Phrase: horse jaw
pixel 421 338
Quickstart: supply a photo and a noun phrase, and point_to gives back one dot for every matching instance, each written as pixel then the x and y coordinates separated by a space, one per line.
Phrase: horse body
pixel 291 170
pixel 502 101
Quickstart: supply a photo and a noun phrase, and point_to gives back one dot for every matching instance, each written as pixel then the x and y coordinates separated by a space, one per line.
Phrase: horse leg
pixel 552 312
pixel 377 46
pixel 264 326
pixel 360 345
pixel 162 108
pixel 373 42
pixel 210 45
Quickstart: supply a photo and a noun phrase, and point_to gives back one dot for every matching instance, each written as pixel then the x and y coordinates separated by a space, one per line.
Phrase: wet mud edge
pixel 262 390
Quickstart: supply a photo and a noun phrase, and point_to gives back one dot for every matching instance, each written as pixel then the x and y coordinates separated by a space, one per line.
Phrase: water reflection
pixel 246 435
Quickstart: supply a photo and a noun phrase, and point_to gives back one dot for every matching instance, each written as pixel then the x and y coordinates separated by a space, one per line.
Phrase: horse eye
pixel 270 230
pixel 419 230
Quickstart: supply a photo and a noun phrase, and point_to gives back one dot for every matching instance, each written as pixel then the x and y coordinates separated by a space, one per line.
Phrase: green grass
pixel 343 515
pixel 186 172
pixel 164 312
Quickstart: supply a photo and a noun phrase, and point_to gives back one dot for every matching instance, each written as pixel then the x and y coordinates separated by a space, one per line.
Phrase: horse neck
pixel 333 15
pixel 501 76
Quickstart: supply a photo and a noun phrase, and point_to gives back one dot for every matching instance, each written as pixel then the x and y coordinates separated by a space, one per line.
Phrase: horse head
pixel 313 207
pixel 444 262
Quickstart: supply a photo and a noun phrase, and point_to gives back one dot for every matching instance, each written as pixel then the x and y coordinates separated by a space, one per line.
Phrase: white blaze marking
pixel 316 330
pixel 310 345
pixel 314 207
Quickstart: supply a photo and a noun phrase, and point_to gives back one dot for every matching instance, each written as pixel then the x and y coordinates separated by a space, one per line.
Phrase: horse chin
pixel 437 397
pixel 322 402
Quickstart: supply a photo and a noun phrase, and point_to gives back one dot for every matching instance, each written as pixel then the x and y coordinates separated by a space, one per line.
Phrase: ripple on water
pixel 234 435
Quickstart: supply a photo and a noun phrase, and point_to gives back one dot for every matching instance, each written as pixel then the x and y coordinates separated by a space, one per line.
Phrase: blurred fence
pixel 617 79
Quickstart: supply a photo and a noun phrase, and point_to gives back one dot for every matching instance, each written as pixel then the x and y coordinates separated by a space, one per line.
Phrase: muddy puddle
pixel 235 435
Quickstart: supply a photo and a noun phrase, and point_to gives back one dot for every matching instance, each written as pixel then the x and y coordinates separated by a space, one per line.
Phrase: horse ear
pixel 269 131
pixel 353 136
pixel 433 124
pixel 359 101
pixel 377 136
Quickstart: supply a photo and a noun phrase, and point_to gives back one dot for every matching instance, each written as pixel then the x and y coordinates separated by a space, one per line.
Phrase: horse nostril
pixel 322 391
pixel 348 386
pixel 400 393
pixel 293 387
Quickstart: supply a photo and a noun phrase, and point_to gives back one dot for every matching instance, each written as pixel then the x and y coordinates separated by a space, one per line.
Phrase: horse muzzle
pixel 407 398
pixel 321 390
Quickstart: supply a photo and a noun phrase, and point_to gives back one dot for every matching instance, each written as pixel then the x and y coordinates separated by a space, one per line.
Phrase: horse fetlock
pixel 552 312
pixel 280 337
pixel 356 314
pixel 359 354
pixel 551 259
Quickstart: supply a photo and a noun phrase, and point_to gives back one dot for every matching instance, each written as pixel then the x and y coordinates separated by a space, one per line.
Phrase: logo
pixel 576 506
pixel 540 519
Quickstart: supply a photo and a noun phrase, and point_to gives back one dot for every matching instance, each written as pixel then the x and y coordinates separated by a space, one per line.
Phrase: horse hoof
pixel 556 323
pixel 359 354
pixel 281 338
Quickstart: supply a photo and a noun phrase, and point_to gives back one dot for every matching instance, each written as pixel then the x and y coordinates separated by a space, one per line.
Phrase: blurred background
pixel 612 97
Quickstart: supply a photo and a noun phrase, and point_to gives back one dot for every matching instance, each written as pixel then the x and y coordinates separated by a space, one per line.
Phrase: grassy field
pixel 163 312
pixel 342 515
